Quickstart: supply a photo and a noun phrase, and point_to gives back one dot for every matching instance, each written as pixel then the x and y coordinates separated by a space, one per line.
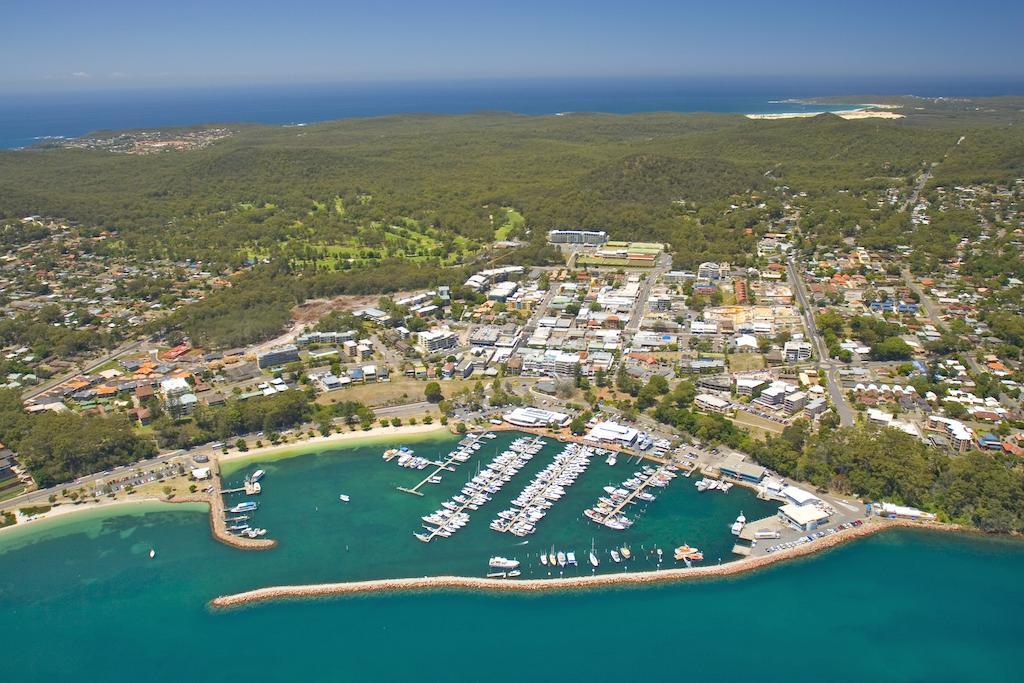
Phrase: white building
pixel 613 433
pixel 432 341
pixel 535 417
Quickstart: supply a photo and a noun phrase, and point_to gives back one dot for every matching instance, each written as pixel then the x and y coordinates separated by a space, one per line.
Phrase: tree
pixel 433 392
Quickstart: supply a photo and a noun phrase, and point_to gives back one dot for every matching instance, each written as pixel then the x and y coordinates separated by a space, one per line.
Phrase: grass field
pixel 395 392
pixel 757 425
pixel 743 362
pixel 513 220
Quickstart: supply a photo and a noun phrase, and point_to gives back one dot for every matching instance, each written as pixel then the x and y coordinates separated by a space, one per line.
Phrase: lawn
pixel 743 362
pixel 395 392
pixel 513 220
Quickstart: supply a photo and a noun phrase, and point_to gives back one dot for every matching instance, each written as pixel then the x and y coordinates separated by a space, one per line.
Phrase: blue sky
pixel 50 44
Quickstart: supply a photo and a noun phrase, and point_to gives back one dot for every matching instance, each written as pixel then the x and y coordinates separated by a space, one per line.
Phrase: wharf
pixel 632 495
pixel 448 465
pixel 541 494
pixel 469 501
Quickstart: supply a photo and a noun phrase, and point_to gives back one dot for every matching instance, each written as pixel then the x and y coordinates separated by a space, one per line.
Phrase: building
pixel 535 417
pixel 178 396
pixel 595 237
pixel 432 341
pixel 816 407
pixel 613 433
pixel 795 351
pixel 803 517
pixel 711 403
pixel 961 437
pixel 279 355
pixel 750 386
pixel 736 467
pixel 709 270
pixel 550 362
pixel 794 402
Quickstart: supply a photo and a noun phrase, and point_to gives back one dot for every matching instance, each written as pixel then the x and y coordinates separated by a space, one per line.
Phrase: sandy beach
pixel 335 439
pixel 736 567
pixel 866 112
pixel 66 509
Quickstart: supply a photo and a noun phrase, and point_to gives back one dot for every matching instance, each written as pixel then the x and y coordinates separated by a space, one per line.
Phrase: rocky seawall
pixel 542 585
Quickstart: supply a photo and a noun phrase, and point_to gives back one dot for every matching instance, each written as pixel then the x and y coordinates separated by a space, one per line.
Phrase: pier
pixel 448 465
pixel 631 497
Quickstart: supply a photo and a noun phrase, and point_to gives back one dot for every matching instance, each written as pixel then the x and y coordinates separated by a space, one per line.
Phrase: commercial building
pixel 794 351
pixel 178 397
pixel 803 517
pixel 613 433
pixel 711 403
pixel 795 402
pixel 736 467
pixel 536 417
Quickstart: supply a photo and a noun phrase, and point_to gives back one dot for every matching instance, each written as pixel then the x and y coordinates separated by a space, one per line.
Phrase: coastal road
pixel 663 265
pixel 835 387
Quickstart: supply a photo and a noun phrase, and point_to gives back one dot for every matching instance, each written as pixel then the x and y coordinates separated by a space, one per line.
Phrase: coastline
pixel 40 522
pixel 238 458
pixel 273 593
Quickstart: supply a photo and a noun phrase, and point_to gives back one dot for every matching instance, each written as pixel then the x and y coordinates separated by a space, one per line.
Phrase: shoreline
pixel 402 585
pixel 318 442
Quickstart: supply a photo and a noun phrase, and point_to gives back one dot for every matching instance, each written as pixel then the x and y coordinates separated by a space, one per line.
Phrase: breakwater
pixel 272 593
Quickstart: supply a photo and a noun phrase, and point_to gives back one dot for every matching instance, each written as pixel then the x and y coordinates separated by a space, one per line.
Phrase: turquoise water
pixel 79 596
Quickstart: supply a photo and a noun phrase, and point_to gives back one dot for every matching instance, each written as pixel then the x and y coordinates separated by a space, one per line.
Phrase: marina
pixel 452 515
pixel 462 454
pixel 608 510
pixel 547 488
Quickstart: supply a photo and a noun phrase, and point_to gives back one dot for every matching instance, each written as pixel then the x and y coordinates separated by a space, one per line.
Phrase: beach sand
pixel 852 114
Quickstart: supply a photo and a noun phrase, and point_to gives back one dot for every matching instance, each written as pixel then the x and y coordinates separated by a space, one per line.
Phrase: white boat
pixel 498 562
pixel 544 559
pixel 611 459
pixel 256 476
pixel 615 556
pixel 561 558
pixel 152 553
pixel 343 498
pixel 593 555
pixel 570 558
pixel 738 525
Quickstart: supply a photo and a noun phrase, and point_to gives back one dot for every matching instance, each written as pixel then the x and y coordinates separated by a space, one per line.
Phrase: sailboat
pixel 593 555
pixel 152 553
pixel 551 557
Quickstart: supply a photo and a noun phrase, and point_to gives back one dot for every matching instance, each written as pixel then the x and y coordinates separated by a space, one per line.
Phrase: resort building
pixel 432 341
pixel 595 237
pixel 961 437
pixel 279 355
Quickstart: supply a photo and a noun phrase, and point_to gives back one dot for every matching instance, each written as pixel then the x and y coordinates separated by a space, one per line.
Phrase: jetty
pixel 218 517
pixel 454 459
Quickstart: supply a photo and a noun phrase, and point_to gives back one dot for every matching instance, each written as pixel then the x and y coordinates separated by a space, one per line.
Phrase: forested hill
pixel 619 172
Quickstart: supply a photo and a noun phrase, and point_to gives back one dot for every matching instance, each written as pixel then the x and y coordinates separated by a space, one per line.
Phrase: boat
pixel 514 573
pixel 570 558
pixel 256 476
pixel 625 552
pixel 152 553
pixel 616 558
pixel 343 498
pixel 611 459
pixel 551 557
pixel 498 562
pixel 593 555
pixel 561 558
pixel 544 559
pixel 247 506
pixel 738 525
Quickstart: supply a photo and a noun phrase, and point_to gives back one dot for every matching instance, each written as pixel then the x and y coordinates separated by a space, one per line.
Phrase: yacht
pixel 570 558
pixel 616 558
pixel 152 553
pixel 247 506
pixel 498 562
pixel 343 498
pixel 611 459
pixel 544 559
pixel 256 476
pixel 561 558
pixel 738 525
pixel 626 553
pixel 593 555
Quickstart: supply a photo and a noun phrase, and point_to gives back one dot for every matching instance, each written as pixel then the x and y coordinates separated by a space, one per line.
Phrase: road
pixel 664 264
pixel 919 186
pixel 835 387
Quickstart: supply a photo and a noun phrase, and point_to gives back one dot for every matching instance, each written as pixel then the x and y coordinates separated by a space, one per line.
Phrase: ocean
pixel 80 597
pixel 26 118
